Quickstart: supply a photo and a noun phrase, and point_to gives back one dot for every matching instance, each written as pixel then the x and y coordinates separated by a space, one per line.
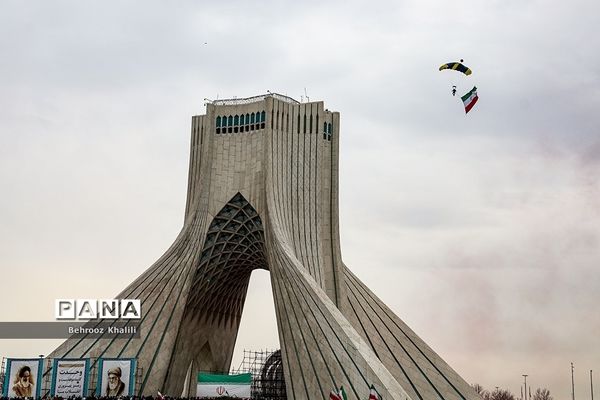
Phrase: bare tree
pixel 484 394
pixel 542 394
pixel 501 394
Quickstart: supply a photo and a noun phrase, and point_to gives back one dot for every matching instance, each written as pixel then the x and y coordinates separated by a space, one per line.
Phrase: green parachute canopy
pixel 456 66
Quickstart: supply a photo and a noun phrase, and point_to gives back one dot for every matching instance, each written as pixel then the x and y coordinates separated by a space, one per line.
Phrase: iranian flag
pixel 470 99
pixel 338 394
pixel 343 394
pixel 222 385
pixel 374 395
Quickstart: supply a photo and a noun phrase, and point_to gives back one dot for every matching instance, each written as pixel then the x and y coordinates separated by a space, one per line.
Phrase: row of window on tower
pixel 240 123
pixel 256 121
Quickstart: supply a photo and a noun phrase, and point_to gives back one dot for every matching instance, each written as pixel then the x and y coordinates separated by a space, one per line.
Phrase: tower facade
pixel 263 193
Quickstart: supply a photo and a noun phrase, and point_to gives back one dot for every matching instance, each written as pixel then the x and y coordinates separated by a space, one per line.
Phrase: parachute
pixel 470 98
pixel 457 66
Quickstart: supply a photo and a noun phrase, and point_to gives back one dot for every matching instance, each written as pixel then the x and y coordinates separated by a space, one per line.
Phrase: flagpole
pixel 572 383
pixel 591 385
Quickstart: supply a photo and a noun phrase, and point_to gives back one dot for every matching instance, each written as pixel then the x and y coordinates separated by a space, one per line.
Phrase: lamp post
pixel 525 378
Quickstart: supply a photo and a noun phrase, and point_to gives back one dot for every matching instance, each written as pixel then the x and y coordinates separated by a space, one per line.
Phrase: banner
pixel 23 377
pixel 218 385
pixel 116 377
pixel 70 377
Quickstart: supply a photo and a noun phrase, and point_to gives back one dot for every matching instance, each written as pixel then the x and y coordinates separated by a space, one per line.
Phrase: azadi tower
pixel 263 193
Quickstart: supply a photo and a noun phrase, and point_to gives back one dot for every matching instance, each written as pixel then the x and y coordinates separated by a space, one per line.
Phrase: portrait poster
pixel 70 377
pixel 23 377
pixel 116 377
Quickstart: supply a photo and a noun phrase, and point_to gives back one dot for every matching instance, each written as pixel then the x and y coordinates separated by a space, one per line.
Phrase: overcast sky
pixel 481 231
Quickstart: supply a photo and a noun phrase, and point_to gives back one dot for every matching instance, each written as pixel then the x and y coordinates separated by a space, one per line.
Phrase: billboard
pixel 23 377
pixel 70 377
pixel 116 377
pixel 221 385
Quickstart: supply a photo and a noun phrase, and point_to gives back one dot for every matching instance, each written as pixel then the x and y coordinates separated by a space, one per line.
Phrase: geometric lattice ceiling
pixel 233 248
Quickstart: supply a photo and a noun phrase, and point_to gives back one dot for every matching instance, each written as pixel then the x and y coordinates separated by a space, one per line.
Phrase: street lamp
pixel 525 378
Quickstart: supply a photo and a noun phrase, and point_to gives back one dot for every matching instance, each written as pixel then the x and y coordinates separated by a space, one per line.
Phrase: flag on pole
pixel 343 394
pixel 469 99
pixel 374 395
pixel 338 394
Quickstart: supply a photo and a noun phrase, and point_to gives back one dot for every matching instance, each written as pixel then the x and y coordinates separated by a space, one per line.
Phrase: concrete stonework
pixel 266 197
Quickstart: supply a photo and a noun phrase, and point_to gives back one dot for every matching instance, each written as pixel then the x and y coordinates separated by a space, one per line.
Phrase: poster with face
pixel 116 377
pixel 70 377
pixel 23 377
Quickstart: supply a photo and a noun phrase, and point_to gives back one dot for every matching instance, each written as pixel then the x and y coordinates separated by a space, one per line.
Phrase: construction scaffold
pixel 266 368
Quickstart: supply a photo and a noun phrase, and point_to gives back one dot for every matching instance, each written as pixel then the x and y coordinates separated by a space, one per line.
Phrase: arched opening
pixel 258 326
pixel 233 248
pixel 214 333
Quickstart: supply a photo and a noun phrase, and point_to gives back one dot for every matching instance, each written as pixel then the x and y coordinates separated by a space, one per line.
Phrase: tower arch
pixel 268 199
